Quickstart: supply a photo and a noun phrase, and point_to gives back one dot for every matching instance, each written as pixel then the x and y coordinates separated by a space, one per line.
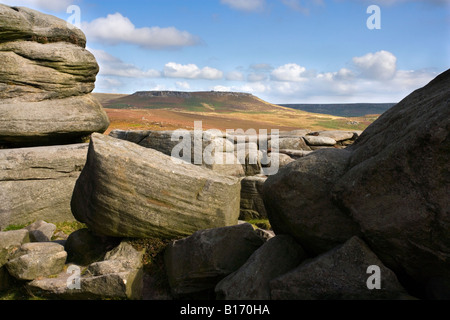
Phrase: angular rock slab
pixel 35 260
pixel 126 190
pixel 340 274
pixel 251 282
pixel 196 264
pixel 37 183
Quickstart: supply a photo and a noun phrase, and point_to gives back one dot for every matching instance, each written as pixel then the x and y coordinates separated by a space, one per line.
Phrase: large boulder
pixel 251 282
pixel 37 183
pixel 340 274
pixel 298 201
pixel 391 187
pixel 196 264
pixel 126 190
pixel 46 78
pixel 397 185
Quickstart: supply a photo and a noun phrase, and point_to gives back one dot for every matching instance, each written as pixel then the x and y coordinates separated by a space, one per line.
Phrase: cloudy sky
pixel 283 51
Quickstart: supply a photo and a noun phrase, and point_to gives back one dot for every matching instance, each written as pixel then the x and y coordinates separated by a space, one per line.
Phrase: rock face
pixel 397 185
pixel 391 187
pixel 340 274
pixel 251 282
pixel 129 191
pixel 37 183
pixel 252 203
pixel 196 264
pixel 298 201
pixel 46 78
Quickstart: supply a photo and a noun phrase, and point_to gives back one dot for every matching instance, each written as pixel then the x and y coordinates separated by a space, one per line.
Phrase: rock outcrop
pixel 197 263
pixel 37 183
pixel 46 77
pixel 390 187
pixel 340 274
pixel 276 257
pixel 126 190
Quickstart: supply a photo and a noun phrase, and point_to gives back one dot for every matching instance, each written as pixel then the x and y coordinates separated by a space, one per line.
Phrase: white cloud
pixel 115 29
pixel 296 6
pixel 245 5
pixel 380 65
pixel 191 71
pixel 52 5
pixel 183 85
pixel 235 76
pixel 113 66
pixel 256 77
pixel 220 88
pixel 289 72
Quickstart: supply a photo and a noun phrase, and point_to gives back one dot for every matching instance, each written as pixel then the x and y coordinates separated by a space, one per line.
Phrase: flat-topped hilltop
pixel 202 101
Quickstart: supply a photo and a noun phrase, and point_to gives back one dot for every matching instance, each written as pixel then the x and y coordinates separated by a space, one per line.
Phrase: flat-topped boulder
pixel 126 190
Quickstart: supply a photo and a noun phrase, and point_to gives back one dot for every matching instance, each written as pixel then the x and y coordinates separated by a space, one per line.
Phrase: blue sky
pixel 283 51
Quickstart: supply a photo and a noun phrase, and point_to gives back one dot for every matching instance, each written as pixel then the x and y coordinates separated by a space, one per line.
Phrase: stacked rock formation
pixel 46 77
pixel 46 112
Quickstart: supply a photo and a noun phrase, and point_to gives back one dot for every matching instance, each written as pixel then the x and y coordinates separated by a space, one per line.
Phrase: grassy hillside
pixel 168 110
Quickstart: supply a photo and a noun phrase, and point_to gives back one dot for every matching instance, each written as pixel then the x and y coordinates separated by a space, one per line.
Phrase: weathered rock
pixel 397 185
pixel 340 274
pixel 295 154
pixel 338 135
pixel 196 264
pixel 297 143
pixel 46 71
pixel 265 234
pixel 39 259
pixel 225 163
pixel 298 201
pixel 252 203
pixel 41 231
pixel 84 247
pixel 20 23
pixel 129 191
pixel 9 241
pixel 37 183
pixel 283 159
pixel 318 141
pixel 46 78
pixel 251 282
pixel 50 122
pixel 119 276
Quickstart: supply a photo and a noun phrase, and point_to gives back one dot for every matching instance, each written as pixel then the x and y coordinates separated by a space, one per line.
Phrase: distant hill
pixel 343 110
pixel 207 101
pixel 168 110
